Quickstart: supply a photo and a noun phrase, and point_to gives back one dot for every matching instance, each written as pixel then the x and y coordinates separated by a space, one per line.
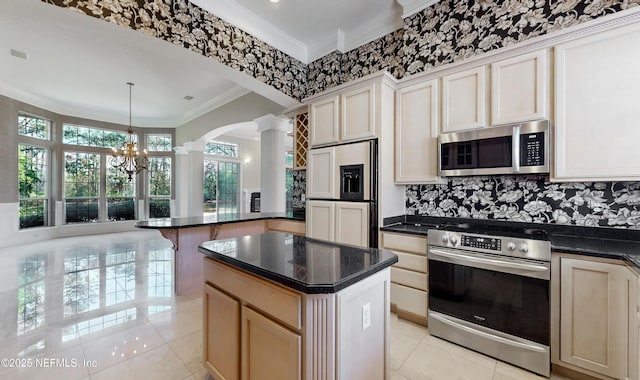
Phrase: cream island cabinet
pixel 280 306
pixel 595 318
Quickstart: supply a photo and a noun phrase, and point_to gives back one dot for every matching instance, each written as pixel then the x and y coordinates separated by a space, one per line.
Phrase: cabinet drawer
pixel 405 242
pixel 411 261
pixel 409 278
pixel 274 300
pixel 409 299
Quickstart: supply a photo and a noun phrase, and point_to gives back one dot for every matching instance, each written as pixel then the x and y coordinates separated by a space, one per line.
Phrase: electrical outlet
pixel 366 316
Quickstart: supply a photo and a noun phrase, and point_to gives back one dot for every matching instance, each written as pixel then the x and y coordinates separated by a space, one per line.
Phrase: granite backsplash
pixel 531 200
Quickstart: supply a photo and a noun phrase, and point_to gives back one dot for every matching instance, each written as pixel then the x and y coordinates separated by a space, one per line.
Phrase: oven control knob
pixel 445 238
pixel 523 247
pixel 453 240
pixel 511 246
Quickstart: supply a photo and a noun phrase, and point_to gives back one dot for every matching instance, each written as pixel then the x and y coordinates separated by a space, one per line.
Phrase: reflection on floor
pixel 102 307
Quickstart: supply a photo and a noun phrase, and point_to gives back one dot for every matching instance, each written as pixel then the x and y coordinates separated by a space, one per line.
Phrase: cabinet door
pixel 358 114
pixel 409 300
pixel 597 113
pixel 221 334
pixel 352 223
pixel 464 100
pixel 324 121
pixel 594 326
pixel 269 351
pixel 320 220
pixel 519 90
pixel 416 133
pixel 321 169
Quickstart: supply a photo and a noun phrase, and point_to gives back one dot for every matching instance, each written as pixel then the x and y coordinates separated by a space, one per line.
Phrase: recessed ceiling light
pixel 188 97
pixel 19 54
pixel 274 1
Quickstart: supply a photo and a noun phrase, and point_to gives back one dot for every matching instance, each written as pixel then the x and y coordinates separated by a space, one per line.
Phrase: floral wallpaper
pixel 451 31
pixel 185 24
pixel 530 199
pixel 448 31
pixel 299 188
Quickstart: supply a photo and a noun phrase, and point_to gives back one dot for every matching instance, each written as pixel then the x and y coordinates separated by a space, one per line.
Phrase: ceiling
pixel 78 66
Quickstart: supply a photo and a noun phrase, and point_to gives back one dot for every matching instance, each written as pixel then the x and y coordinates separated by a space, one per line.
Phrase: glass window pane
pixel 160 176
pixel 34 213
pixel 81 187
pixel 210 186
pixel 82 174
pixel 32 186
pixel 96 137
pixel 219 148
pixel 159 143
pixel 159 208
pixel 34 127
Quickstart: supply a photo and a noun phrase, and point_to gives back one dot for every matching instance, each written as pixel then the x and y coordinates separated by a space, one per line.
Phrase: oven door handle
pixel 519 268
pixel 487 335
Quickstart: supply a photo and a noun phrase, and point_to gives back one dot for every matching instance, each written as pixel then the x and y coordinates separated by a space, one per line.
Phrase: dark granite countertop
pixel 308 265
pixel 196 221
pixel 614 243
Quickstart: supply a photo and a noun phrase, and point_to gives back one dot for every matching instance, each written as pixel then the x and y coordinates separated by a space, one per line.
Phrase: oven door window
pixel 513 304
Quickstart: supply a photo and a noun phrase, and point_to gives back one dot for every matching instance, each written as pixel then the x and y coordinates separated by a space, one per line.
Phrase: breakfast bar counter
pixel 187 233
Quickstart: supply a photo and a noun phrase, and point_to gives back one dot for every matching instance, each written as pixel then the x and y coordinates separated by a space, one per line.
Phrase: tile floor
pixel 102 307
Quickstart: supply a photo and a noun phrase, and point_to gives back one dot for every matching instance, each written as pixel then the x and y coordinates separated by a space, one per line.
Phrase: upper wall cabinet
pixel 597 112
pixel 519 88
pixel 416 133
pixel 358 114
pixel 464 100
pixel 324 120
pixel 351 112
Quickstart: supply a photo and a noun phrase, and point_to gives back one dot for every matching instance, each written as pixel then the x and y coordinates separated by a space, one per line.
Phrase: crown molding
pixel 410 7
pixel 251 23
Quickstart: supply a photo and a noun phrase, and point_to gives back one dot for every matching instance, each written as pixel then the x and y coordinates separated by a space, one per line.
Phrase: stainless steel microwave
pixel 509 149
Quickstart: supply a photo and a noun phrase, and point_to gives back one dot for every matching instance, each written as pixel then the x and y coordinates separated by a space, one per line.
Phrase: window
pixel 32 185
pixel 121 198
pixel 159 143
pixel 95 137
pixel 81 187
pixel 159 187
pixel 34 127
pixel 221 188
pixel 223 149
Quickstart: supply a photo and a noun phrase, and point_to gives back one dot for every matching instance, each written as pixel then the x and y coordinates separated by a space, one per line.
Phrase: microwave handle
pixel 515 149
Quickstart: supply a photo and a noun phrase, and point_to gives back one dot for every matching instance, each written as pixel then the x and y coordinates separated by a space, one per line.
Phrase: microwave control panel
pixel 532 149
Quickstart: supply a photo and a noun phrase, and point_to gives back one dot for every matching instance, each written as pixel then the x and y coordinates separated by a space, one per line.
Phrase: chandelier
pixel 129 159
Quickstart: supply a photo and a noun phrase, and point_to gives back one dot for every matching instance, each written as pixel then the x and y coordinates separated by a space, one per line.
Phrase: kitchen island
pixel 281 306
pixel 187 233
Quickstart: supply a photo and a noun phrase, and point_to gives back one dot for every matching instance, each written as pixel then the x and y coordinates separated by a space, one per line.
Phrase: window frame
pixel 50 147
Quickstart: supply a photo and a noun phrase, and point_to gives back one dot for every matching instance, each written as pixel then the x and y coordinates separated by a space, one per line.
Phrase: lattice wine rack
pixel 301 141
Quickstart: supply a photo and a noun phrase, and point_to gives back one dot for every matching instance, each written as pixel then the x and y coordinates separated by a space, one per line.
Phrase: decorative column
pixel 189 177
pixel 272 166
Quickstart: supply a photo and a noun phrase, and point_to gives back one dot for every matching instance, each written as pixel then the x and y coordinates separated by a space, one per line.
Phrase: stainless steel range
pixel 490 293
